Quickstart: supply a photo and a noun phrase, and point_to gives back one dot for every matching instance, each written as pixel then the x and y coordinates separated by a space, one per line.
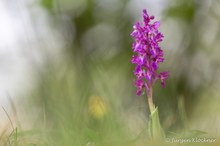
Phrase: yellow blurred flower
pixel 97 107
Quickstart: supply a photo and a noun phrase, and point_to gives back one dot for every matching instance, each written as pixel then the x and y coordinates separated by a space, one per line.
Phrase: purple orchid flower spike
pixel 148 54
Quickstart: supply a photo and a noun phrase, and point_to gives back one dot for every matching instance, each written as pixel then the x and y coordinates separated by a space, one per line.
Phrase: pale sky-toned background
pixel 26 35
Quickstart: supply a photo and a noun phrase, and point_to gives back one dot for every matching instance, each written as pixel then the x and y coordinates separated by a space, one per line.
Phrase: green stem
pixel 150 100
pixel 155 129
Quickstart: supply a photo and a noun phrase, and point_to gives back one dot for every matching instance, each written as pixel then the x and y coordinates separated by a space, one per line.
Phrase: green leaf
pixel 155 130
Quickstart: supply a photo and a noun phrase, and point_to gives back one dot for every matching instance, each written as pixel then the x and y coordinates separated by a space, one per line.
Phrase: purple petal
pixel 163 76
pixel 156 24
pixel 154 65
pixel 140 86
pixel 134 59
pixel 137 47
pixel 148 75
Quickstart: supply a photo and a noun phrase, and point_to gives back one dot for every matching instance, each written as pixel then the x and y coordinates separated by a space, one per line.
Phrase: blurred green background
pixel 86 96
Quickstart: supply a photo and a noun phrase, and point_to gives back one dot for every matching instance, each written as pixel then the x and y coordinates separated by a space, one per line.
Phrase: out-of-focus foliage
pixel 88 98
pixel 184 10
pixel 48 4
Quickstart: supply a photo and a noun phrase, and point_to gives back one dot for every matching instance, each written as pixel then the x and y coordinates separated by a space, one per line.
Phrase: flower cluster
pixel 148 54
